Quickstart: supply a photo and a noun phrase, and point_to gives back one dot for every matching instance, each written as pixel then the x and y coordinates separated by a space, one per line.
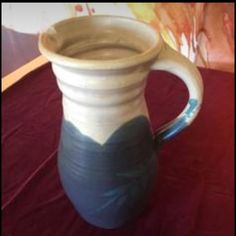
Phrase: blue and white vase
pixel 106 155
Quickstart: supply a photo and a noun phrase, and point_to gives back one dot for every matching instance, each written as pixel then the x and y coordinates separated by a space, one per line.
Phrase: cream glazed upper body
pixel 101 69
pixel 101 72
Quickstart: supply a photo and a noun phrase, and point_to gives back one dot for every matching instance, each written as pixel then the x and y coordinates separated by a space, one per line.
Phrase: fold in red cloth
pixel 194 195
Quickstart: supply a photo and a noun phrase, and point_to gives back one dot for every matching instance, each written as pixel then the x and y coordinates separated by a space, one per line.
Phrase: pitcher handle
pixel 171 61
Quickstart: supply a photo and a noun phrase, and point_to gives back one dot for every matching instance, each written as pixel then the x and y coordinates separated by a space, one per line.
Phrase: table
pixel 194 193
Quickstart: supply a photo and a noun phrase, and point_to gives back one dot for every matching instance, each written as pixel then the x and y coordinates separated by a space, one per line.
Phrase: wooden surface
pixel 18 74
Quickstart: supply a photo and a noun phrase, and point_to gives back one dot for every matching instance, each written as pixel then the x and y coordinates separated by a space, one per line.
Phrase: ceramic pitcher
pixel 106 156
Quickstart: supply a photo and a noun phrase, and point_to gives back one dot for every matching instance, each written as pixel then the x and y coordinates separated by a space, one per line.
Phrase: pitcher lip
pixel 87 64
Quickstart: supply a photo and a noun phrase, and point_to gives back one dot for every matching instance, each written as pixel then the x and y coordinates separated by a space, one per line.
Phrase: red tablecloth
pixel 195 188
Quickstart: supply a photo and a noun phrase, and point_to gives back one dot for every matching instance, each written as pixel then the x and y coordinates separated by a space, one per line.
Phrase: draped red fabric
pixel 194 193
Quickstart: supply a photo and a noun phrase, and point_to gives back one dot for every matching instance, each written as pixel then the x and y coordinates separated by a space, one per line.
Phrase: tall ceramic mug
pixel 106 156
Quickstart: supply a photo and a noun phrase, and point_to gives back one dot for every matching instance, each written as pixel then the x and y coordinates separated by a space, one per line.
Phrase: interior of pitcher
pixel 99 38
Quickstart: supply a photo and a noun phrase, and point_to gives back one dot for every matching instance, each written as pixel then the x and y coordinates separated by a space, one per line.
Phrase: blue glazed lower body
pixel 108 184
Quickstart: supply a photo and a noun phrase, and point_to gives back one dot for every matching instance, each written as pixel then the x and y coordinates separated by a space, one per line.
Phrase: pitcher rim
pixel 87 64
